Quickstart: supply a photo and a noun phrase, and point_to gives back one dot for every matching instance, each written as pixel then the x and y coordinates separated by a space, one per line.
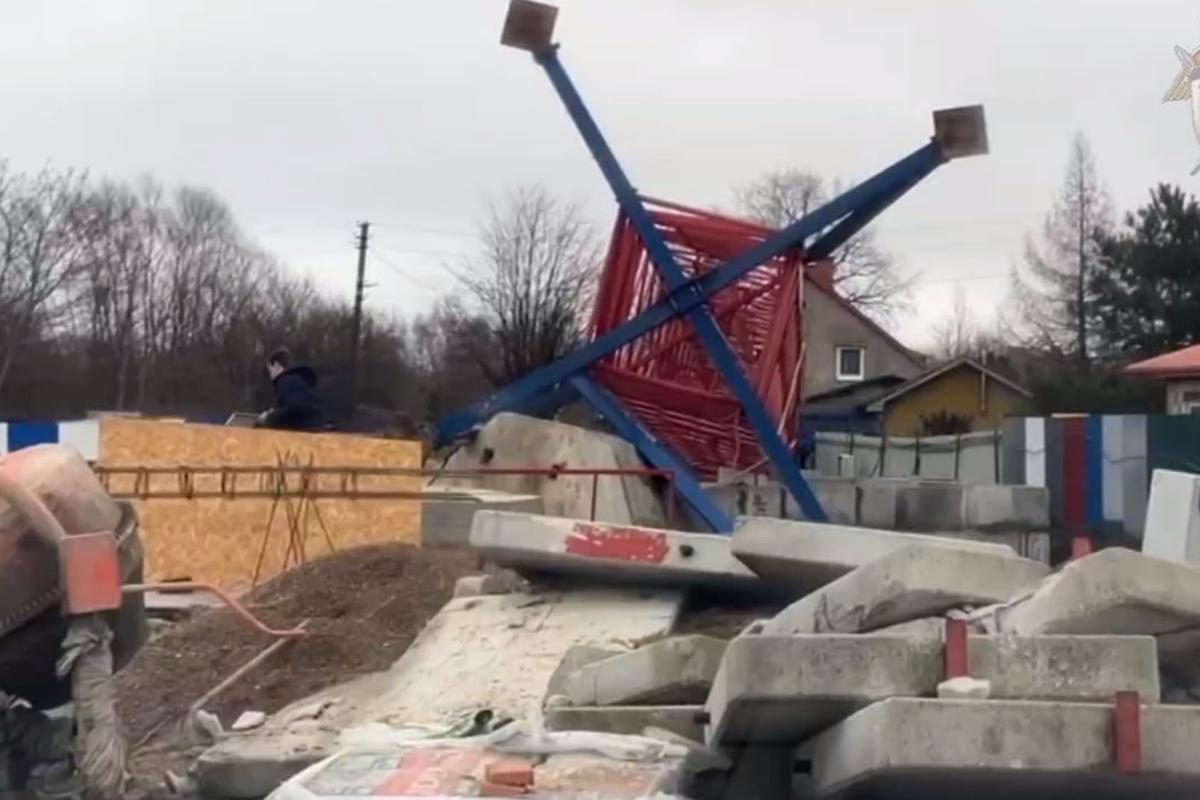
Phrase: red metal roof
pixel 1174 364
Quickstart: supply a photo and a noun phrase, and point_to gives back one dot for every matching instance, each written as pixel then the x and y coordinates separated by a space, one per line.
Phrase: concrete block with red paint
pixel 611 553
pixel 917 747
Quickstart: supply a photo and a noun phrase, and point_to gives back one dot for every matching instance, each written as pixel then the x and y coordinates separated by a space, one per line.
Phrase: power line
pixel 402 273
pixel 428 229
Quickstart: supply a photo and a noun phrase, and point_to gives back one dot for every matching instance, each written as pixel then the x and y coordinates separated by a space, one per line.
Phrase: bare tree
pixel 866 275
pixel 533 280
pixel 39 249
pixel 956 334
pixel 1052 292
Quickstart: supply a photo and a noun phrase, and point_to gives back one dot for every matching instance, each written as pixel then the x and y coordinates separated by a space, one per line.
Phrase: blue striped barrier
pixel 83 435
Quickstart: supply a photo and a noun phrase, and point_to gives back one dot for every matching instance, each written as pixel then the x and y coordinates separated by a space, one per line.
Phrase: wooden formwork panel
pixel 223 540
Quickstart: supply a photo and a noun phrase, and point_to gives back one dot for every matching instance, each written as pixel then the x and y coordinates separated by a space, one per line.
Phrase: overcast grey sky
pixel 307 116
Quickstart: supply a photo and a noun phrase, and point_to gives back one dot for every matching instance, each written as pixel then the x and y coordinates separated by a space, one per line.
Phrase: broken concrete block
pixel 1006 508
pixel 248 720
pixel 1114 591
pixel 611 553
pixel 783 689
pixel 685 721
pixel 807 555
pixel 675 671
pixel 907 584
pixel 1173 517
pixel 575 658
pixel 936 748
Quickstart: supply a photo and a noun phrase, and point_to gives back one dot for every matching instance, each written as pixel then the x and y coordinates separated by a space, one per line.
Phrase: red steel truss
pixel 666 376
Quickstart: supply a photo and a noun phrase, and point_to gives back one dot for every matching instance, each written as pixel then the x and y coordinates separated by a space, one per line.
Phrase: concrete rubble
pixel 684 720
pixel 1114 591
pixel 847 691
pixel 809 554
pixel 494 652
pixel 773 690
pixel 906 584
pixel 676 671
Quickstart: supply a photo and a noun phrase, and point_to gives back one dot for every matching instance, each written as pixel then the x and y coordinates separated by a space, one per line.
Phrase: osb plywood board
pixel 222 540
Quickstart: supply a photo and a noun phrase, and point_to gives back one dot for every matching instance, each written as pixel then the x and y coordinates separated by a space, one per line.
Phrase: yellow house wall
pixel 960 392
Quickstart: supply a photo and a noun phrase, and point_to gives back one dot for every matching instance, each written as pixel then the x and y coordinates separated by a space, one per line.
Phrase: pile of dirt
pixel 364 606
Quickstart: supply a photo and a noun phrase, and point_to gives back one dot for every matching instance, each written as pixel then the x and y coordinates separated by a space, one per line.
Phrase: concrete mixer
pixel 66 550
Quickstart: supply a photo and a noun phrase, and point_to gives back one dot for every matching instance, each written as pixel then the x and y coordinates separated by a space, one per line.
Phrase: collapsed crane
pixel 697 350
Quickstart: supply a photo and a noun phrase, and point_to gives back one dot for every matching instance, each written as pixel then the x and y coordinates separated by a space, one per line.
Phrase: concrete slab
pixel 929 507
pixel 1114 591
pixel 515 441
pixel 876 500
pixel 675 671
pixel 1065 668
pixel 906 584
pixel 781 690
pixel 1006 508
pixel 1173 517
pixel 608 553
pixel 838 496
pixel 447 511
pixel 684 720
pixel 909 748
pixel 808 555
pixel 496 652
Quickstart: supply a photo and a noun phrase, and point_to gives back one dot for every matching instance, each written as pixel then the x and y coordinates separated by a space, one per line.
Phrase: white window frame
pixel 862 363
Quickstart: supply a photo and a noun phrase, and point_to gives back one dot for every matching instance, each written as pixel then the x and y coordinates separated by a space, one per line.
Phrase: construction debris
pixel 933 664
pixel 675 671
pixel 612 553
pixel 907 584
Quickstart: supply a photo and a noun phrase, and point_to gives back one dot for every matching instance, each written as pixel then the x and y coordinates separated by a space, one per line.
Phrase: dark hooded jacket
pixel 297 406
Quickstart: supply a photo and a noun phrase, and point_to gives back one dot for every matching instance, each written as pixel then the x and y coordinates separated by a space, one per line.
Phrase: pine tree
pixel 1052 295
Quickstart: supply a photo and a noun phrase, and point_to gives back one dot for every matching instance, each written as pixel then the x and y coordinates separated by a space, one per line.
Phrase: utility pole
pixel 356 324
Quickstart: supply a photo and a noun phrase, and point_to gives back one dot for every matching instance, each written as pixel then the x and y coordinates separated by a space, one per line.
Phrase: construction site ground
pixel 364 606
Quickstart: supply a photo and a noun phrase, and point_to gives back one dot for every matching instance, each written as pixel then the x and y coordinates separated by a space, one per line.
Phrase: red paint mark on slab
pixel 955 649
pixel 1127 732
pixel 617 543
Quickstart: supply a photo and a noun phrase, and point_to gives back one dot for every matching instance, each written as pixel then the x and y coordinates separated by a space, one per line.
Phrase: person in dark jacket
pixel 297 407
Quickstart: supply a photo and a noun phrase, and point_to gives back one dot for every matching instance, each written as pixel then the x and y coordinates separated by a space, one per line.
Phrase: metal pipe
pixel 228 599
